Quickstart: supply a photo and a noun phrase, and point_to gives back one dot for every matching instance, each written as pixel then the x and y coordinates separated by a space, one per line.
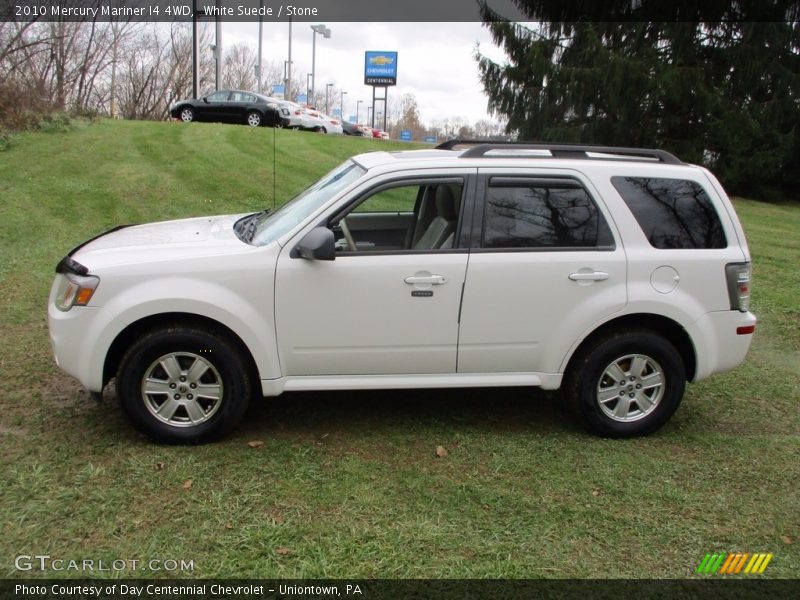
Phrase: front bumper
pixel 80 338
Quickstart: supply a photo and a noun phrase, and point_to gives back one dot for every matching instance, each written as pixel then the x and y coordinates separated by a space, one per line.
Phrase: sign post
pixel 380 70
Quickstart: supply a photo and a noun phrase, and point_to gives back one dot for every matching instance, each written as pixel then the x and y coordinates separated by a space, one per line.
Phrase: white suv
pixel 615 274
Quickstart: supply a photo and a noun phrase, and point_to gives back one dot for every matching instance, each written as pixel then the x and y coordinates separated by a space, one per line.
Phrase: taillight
pixel 334 122
pixel 738 278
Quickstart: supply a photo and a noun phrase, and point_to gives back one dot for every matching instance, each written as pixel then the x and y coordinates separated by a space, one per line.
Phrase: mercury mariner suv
pixel 614 274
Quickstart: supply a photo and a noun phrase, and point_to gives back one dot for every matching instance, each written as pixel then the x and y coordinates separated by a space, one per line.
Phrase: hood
pixel 164 241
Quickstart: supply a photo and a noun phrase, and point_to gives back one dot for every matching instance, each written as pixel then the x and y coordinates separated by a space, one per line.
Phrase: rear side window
pixel 538 213
pixel 673 213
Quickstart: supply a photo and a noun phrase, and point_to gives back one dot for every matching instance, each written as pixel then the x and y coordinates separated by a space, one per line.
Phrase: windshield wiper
pixel 249 225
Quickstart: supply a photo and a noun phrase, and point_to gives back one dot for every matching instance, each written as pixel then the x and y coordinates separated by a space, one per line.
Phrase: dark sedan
pixel 351 129
pixel 230 106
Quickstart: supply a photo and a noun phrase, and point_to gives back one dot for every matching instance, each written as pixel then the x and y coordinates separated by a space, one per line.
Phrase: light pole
pixel 308 89
pixel 326 33
pixel 358 112
pixel 328 86
pixel 218 48
pixel 287 74
pixel 343 94
pixel 287 90
pixel 259 68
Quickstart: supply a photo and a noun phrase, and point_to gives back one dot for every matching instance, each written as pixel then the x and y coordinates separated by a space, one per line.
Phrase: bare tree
pixel 240 65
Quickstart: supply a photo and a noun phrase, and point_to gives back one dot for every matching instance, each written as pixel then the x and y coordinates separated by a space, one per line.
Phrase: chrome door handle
pixel 429 279
pixel 589 276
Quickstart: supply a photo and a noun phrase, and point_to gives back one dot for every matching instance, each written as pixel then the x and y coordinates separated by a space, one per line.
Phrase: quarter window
pixel 673 213
pixel 542 214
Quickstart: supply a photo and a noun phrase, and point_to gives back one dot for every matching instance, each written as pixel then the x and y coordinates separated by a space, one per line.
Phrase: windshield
pixel 269 227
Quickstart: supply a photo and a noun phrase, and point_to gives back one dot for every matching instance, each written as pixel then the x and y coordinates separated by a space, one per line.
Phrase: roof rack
pixel 478 148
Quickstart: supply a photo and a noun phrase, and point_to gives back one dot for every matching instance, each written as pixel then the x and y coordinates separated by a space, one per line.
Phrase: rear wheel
pixel 254 118
pixel 182 384
pixel 187 114
pixel 627 384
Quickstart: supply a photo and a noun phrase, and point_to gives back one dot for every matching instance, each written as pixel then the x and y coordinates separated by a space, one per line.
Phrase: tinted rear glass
pixel 535 215
pixel 673 213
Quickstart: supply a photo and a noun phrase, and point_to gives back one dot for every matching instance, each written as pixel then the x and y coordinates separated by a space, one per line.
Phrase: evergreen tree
pixel 720 87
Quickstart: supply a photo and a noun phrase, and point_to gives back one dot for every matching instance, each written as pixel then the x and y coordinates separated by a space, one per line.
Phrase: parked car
pixel 331 124
pixel 319 122
pixel 296 113
pixel 229 106
pixel 284 112
pixel 614 274
pixel 352 129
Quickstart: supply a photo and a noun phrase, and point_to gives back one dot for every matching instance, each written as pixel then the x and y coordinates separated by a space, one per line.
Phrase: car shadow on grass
pixel 393 411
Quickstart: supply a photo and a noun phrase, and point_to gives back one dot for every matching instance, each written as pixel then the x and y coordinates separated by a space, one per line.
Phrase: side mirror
pixel 319 244
pixel 205 99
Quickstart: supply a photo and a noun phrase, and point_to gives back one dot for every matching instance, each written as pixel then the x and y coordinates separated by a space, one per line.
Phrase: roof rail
pixel 478 148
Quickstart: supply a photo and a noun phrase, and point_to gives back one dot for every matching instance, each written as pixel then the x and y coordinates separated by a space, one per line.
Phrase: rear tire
pixel 626 384
pixel 186 114
pixel 184 385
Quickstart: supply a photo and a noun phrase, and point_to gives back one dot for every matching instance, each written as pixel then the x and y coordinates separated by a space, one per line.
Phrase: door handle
pixel 588 276
pixel 429 279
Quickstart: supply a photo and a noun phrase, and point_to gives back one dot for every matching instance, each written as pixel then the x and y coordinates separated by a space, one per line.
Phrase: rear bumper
pixel 718 346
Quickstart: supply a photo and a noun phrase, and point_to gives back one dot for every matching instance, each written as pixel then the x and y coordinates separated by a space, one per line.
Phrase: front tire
pixel 626 384
pixel 184 385
pixel 254 118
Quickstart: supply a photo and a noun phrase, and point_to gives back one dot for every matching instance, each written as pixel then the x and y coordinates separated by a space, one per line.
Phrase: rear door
pixel 547 264
pixel 237 106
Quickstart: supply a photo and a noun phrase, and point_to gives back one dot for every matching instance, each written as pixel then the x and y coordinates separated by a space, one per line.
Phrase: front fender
pixel 251 317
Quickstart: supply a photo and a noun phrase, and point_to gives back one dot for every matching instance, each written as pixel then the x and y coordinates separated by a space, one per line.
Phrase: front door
pixel 389 302
pixel 216 107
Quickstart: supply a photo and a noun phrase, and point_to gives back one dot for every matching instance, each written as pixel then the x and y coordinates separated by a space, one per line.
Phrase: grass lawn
pixel 348 484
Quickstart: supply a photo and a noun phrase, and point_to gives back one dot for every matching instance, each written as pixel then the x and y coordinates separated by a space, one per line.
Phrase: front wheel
pixel 254 118
pixel 626 384
pixel 182 384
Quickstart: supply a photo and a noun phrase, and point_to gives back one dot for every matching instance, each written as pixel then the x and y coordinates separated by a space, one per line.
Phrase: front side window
pixel 542 214
pixel 419 216
pixel 673 213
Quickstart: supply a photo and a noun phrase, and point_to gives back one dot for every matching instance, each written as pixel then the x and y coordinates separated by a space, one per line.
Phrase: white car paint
pixel 501 318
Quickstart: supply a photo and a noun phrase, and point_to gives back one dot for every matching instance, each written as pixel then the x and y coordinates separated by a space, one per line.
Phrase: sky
pixel 435 61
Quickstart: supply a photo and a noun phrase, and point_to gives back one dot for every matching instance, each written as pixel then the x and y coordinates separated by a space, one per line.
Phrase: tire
pixel 186 114
pixel 184 385
pixel 254 118
pixel 653 379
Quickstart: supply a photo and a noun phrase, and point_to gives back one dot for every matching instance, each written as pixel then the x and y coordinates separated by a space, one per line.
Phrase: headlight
pixel 75 290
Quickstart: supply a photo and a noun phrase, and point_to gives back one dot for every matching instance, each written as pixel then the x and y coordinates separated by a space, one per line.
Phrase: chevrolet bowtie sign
pixel 380 68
